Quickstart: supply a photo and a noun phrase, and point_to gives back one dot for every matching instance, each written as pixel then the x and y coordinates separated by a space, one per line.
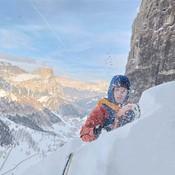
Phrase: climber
pixel 112 112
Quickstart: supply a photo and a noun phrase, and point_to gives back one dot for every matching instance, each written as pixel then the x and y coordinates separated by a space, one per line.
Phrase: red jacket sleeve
pixel 97 117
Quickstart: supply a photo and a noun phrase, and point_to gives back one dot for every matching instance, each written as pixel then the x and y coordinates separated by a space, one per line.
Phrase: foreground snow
pixel 31 145
pixel 144 147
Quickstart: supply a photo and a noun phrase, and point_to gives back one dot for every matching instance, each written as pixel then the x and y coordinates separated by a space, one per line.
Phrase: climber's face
pixel 120 94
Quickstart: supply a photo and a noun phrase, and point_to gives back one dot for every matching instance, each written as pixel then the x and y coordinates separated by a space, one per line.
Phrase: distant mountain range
pixel 42 89
pixel 39 99
pixel 41 111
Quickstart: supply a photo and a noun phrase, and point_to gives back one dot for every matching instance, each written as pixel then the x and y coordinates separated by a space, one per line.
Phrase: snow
pixel 25 77
pixel 169 72
pixel 32 146
pixel 3 93
pixel 145 146
pixel 43 99
pixel 6 94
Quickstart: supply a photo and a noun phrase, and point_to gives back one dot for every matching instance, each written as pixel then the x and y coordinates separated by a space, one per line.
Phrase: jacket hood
pixel 121 81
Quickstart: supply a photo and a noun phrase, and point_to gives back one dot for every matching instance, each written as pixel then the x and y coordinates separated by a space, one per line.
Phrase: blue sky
pixel 84 40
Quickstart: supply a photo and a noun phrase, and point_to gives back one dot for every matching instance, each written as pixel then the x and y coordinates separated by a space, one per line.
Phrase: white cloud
pixel 17 59
pixel 12 39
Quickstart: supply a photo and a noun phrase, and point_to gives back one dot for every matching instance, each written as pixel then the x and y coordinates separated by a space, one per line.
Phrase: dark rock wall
pixel 151 59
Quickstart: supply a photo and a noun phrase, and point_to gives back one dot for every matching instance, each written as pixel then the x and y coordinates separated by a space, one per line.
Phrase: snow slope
pixel 30 146
pixel 144 147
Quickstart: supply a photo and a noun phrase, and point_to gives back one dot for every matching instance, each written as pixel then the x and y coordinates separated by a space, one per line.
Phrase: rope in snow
pixel 67 166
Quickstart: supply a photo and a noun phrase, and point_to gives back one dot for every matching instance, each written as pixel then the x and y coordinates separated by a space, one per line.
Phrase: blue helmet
pixel 120 81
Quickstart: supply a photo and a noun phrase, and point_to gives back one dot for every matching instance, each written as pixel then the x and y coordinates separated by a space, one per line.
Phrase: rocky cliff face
pixel 151 60
pixel 41 89
pixel 44 72
pixel 6 69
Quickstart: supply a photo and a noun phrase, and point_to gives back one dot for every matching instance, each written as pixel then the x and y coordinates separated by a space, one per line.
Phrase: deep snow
pixel 144 147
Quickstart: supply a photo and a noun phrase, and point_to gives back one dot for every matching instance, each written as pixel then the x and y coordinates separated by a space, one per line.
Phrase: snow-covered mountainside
pixel 35 100
pixel 42 89
pixel 39 113
pixel 143 147
pixel 31 142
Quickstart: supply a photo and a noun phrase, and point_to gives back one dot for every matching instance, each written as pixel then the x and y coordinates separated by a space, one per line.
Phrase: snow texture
pixel 144 147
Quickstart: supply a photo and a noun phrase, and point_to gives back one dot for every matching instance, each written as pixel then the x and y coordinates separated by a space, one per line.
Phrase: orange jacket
pixel 97 117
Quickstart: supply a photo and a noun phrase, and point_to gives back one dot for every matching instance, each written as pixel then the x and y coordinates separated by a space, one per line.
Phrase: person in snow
pixel 112 112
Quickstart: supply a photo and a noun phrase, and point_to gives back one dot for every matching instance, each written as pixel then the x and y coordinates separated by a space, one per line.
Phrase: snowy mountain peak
pixel 42 89
pixel 7 69
pixel 40 112
pixel 44 72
